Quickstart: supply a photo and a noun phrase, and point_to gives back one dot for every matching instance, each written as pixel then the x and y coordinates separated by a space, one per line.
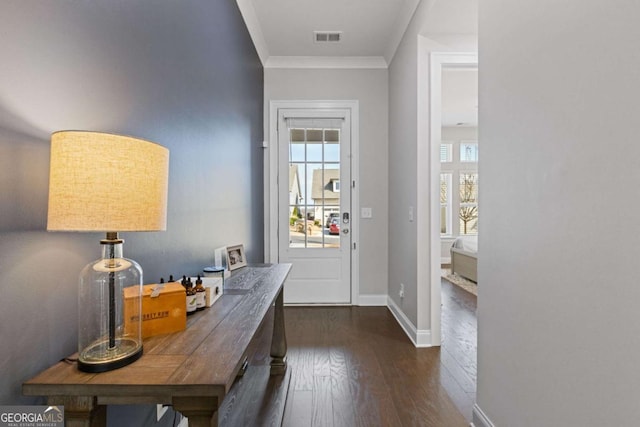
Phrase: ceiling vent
pixel 327 36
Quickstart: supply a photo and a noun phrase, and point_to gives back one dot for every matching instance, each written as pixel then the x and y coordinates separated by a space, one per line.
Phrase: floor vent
pixel 327 36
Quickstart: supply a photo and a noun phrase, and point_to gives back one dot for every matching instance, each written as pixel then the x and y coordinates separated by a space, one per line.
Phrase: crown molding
pixel 375 62
pixel 402 23
pixel 250 17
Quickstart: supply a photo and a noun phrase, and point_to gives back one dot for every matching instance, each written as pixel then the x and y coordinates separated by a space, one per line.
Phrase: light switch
pixel 410 213
pixel 366 213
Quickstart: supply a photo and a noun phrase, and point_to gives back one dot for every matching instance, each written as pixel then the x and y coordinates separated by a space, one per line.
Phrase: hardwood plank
pixel 322 405
pixel 301 356
pixel 462 377
pixel 321 362
pixel 299 408
pixel 303 374
pixel 343 409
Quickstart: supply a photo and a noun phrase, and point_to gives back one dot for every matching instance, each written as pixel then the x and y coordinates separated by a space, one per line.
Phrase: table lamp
pixel 109 183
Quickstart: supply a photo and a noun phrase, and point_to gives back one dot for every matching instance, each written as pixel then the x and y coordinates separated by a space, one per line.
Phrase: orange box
pixel 161 314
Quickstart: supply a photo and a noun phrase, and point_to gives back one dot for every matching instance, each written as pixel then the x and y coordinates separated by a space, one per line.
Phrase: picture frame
pixel 236 257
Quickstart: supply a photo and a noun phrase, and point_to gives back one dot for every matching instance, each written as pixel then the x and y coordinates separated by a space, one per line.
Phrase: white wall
pixel 370 88
pixel 403 148
pixel 558 316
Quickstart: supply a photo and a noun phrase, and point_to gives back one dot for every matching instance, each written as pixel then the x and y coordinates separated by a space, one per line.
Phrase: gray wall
pixel 427 21
pixel 183 74
pixel 370 88
pixel 558 323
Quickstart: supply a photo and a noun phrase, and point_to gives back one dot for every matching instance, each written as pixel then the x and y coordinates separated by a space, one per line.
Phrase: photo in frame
pixel 236 257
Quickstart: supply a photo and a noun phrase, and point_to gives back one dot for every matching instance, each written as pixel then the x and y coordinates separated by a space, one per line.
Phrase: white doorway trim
pixel 430 66
pixel 271 181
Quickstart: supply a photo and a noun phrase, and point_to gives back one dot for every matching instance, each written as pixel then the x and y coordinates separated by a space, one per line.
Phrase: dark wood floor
pixel 354 366
pixel 459 345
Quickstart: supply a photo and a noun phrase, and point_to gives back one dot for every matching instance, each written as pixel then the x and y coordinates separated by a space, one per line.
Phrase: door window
pixel 314 187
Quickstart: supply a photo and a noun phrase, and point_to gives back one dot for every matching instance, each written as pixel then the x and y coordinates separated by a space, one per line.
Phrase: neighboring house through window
pixel 325 192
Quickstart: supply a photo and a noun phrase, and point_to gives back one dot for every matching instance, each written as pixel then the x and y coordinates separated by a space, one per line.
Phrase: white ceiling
pixel 285 28
pixel 367 26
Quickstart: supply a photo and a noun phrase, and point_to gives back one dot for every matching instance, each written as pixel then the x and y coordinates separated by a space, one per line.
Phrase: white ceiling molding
pixel 255 31
pixel 326 62
pixel 402 23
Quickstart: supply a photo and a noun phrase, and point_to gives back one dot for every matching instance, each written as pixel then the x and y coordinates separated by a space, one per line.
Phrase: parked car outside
pixel 334 227
pixel 330 218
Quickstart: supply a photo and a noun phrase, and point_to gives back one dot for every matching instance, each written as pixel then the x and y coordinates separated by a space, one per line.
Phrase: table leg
pixel 201 411
pixel 279 339
pixel 81 411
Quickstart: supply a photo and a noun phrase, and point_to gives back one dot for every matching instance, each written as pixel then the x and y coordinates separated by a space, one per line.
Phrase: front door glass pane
pixel 314 188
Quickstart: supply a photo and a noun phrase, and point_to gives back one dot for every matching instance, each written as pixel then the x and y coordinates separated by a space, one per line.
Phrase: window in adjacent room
pixel 469 152
pixel 459 188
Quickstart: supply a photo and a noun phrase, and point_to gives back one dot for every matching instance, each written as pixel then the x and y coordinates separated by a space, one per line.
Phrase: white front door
pixel 314 204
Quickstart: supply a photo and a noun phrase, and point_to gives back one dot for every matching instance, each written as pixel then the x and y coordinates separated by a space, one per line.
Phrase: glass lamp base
pixel 99 358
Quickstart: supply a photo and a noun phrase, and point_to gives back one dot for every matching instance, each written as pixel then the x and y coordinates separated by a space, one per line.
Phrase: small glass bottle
pixel 201 292
pixel 191 298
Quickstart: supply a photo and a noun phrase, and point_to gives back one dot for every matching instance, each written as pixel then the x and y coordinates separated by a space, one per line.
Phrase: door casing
pixel 271 181
pixel 430 66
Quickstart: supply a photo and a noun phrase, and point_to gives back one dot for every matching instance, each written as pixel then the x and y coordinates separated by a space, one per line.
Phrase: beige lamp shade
pixel 105 182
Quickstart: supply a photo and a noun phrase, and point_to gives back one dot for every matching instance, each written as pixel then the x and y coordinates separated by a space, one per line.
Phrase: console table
pixel 193 370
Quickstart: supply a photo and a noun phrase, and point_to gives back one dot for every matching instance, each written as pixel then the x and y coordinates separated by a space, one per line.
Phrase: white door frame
pixel 271 182
pixel 429 135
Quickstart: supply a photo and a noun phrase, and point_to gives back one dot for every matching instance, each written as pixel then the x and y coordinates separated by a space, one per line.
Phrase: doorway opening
pixel 430 244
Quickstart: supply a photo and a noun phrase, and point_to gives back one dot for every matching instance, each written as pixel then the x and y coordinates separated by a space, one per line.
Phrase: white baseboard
pixel 373 300
pixel 419 338
pixel 445 260
pixel 480 419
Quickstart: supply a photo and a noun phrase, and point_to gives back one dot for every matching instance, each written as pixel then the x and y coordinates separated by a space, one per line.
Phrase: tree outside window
pixel 468 203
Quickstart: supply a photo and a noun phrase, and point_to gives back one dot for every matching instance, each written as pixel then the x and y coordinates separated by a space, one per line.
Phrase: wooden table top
pixel 202 360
